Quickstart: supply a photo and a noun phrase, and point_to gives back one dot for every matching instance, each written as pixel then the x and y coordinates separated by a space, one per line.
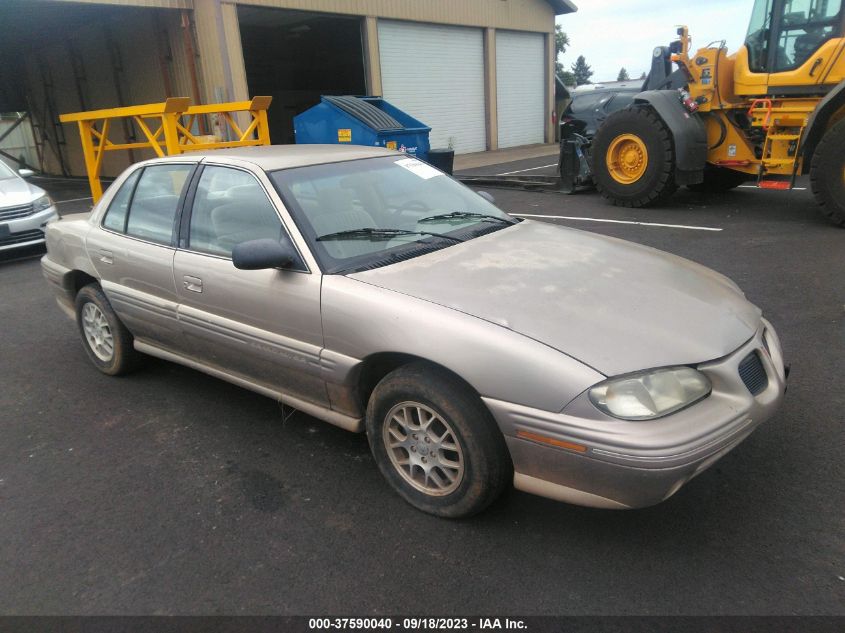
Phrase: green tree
pixel 623 75
pixel 582 71
pixel 643 76
pixel 567 78
pixel 561 42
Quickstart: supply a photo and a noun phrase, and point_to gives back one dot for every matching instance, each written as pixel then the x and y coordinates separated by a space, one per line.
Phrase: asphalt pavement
pixel 171 492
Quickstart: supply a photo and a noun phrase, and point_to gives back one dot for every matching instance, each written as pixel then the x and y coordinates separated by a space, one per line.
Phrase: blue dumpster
pixel 362 121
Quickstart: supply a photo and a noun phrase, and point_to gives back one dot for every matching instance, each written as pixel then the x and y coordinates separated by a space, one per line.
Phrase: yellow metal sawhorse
pixel 169 133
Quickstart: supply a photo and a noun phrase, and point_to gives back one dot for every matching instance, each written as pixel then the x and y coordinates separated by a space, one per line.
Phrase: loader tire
pixel 719 179
pixel 827 174
pixel 634 159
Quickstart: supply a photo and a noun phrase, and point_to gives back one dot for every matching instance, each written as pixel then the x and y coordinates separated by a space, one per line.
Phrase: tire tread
pixel 665 184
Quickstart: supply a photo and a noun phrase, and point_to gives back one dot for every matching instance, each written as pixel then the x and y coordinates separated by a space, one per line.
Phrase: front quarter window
pixel 377 210
pixel 757 40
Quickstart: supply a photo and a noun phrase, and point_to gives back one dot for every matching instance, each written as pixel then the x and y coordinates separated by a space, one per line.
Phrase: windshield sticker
pixel 419 168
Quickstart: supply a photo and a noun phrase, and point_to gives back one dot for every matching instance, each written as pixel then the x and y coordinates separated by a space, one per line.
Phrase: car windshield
pixel 6 171
pixel 366 213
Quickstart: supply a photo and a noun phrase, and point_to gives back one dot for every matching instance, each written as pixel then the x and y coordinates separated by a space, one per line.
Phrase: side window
pixel 116 215
pixel 587 102
pixel 805 26
pixel 230 207
pixel 153 209
pixel 757 39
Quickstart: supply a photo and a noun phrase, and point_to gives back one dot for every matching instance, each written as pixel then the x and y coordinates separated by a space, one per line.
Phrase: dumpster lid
pixel 379 120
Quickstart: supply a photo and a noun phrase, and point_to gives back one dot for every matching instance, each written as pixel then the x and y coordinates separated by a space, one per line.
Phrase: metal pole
pixel 192 66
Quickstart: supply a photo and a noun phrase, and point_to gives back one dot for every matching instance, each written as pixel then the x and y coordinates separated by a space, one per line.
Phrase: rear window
pixel 116 215
pixel 587 102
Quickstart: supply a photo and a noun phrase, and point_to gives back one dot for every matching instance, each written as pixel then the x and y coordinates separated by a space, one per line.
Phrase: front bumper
pixel 26 231
pixel 580 456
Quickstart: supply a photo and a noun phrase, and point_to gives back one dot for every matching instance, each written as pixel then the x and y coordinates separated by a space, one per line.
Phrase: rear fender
pixel 818 123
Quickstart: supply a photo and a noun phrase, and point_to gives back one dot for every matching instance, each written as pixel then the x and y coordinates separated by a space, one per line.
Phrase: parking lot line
pixel 570 217
pixel 756 187
pixel 519 171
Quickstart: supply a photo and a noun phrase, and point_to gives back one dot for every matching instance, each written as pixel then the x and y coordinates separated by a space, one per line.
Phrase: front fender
pixel 360 319
pixel 689 134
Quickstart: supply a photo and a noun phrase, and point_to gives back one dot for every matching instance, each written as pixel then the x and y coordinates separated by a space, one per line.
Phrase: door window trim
pixel 184 226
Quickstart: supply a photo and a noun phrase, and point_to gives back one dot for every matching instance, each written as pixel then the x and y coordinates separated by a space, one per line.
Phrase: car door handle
pixel 194 284
pixel 107 257
pixel 816 64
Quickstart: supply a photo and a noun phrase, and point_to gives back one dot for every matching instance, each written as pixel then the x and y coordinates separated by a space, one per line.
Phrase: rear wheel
pixel 719 179
pixel 436 443
pixel 827 174
pixel 634 159
pixel 106 340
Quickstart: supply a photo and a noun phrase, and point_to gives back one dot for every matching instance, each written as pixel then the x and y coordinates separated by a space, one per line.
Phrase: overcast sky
pixel 611 34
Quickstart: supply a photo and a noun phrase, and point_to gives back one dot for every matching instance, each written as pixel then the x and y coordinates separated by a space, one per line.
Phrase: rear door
pixel 262 325
pixel 806 42
pixel 132 250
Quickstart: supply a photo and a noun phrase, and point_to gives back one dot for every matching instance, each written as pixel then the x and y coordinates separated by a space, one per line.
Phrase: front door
pixel 263 325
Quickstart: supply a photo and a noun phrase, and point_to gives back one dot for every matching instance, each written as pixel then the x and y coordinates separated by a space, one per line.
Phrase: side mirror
pixel 487 196
pixel 26 173
pixel 262 254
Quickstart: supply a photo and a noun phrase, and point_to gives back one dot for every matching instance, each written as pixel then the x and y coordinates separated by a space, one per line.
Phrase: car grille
pixel 753 374
pixel 10 213
pixel 20 238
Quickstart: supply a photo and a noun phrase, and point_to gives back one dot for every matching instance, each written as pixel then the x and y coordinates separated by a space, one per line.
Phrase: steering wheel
pixel 413 205
pixel 408 212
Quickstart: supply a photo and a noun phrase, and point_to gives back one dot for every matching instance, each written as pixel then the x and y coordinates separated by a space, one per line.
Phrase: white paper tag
pixel 421 169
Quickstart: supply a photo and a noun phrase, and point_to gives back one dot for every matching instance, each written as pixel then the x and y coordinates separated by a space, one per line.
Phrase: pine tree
pixel 643 77
pixel 582 71
pixel 623 75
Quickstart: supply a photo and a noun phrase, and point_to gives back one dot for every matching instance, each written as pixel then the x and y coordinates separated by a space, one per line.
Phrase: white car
pixel 24 210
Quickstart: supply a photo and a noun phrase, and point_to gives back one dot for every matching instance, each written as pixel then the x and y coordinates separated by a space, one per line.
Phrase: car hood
pixel 612 304
pixel 17 191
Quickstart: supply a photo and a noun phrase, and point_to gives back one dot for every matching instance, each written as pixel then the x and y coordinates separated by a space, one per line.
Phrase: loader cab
pixel 793 47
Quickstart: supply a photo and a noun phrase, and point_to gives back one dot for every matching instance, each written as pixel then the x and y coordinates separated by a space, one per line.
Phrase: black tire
pixel 487 468
pixel 719 179
pixel 123 358
pixel 658 181
pixel 826 174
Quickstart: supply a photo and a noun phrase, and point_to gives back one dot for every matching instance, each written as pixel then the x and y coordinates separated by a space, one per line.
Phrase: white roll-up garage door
pixel 436 74
pixel 520 88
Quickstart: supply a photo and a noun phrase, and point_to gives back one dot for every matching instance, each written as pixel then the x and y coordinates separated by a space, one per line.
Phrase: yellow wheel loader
pixel 768 113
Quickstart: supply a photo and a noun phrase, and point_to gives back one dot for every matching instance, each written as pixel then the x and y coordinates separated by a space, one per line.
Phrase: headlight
pixel 42 203
pixel 650 394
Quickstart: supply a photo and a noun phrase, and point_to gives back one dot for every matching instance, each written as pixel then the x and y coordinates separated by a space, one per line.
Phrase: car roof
pixel 272 157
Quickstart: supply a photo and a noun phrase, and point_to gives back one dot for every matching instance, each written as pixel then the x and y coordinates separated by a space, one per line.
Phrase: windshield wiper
pixel 379 234
pixel 464 215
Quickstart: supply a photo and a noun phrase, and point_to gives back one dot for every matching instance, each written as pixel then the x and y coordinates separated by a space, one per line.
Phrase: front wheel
pixel 634 159
pixel 827 174
pixel 436 443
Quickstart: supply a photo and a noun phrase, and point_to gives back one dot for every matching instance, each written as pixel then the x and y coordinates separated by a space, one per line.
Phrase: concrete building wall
pixel 158 4
pixel 98 66
pixel 143 51
pixel 529 15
